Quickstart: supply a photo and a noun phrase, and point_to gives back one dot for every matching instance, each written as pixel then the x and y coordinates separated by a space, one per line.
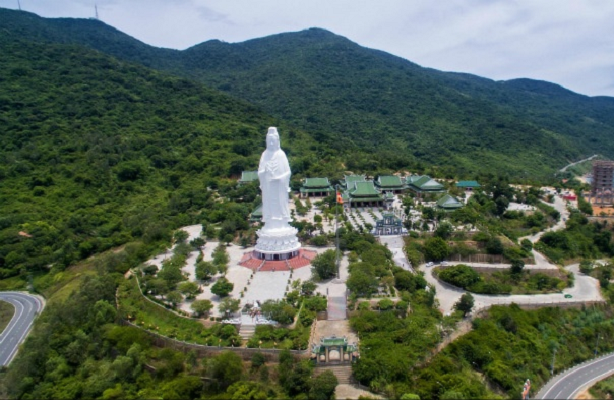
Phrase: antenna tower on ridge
pixel 96 8
pixel 19 5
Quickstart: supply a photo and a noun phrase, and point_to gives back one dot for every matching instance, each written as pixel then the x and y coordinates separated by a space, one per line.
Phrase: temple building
pixel 449 203
pixel 316 187
pixel 363 194
pixel 349 180
pixel 423 184
pixel 390 183
pixel 390 224
pixel 468 185
pixel 248 177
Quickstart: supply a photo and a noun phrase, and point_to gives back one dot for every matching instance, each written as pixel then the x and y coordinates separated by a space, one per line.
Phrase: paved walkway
pixel 395 245
pixel 353 392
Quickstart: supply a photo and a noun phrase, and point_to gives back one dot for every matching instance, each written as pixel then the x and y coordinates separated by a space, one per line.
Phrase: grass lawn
pixel 6 313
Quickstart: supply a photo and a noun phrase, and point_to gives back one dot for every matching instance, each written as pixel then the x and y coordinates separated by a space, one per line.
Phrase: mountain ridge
pixel 351 97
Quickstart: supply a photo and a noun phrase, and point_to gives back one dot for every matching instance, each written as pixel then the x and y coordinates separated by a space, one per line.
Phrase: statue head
pixel 272 139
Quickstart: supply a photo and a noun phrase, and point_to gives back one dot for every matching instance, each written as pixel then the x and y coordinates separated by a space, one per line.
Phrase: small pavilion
pixel 364 194
pixel 449 203
pixel 256 215
pixel 390 183
pixel 424 184
pixel 248 177
pixel 468 185
pixel 316 187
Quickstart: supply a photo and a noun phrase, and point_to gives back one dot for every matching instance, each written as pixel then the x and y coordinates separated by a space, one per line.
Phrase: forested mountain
pixel 350 97
pixel 95 152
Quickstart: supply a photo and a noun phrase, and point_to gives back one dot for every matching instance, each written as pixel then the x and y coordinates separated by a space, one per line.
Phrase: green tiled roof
pixel 468 184
pixel 449 202
pixel 257 213
pixel 316 182
pixel 249 176
pixel 364 189
pixel 350 179
pixel 425 183
pixel 385 181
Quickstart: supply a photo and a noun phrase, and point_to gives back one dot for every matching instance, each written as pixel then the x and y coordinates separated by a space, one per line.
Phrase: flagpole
pixel 337 230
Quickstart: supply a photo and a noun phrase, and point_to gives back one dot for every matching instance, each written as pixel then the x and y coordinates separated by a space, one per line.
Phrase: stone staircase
pixel 247 331
pixel 342 372
pixel 336 308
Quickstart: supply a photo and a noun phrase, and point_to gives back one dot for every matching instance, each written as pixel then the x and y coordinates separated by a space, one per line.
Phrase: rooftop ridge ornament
pixel 277 240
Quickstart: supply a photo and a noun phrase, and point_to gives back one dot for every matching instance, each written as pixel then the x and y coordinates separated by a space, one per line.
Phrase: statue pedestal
pixel 277 244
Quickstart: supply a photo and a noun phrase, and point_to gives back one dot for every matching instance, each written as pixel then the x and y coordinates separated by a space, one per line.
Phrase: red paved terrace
pixel 302 260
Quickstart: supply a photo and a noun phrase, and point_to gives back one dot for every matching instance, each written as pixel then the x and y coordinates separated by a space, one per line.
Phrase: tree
pixel 322 387
pixel 586 266
pixel 258 360
pixel 220 258
pixel 197 243
pixel 361 283
pixel 222 287
pixel 279 311
pixel 229 304
pixel 204 270
pixel 181 236
pixel 227 368
pixel 465 303
pixel 246 390
pixel 150 270
pixel 228 238
pixel 188 289
pixel 435 249
pixel 201 307
pixel 444 230
pixel 517 266
pixel 320 240
pixel 501 204
pixel 307 288
pixel 494 246
pixel 526 245
pixel 174 298
pixel 323 265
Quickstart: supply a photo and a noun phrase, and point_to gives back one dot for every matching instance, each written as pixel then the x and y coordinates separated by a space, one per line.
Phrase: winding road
pixel 27 307
pixel 568 384
pixel 585 289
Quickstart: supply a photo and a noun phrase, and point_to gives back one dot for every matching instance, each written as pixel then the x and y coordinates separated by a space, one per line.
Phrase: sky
pixel 568 42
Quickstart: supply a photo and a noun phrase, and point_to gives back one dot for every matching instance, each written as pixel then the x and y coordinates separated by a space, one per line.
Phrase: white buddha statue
pixel 274 175
pixel 277 240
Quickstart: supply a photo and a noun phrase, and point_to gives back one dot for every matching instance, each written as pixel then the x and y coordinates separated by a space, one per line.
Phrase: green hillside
pixel 95 153
pixel 349 97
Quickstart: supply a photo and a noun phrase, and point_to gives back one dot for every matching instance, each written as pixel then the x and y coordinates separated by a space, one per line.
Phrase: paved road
pixel 577 162
pixel 27 307
pixel 568 384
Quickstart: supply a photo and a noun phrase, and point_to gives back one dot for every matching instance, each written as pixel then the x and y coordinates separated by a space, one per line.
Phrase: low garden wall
pixel 203 350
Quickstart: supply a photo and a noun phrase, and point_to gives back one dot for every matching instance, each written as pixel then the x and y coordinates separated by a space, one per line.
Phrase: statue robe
pixel 274 176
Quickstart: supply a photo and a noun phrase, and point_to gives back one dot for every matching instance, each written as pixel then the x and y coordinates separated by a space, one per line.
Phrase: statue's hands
pixel 271 168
